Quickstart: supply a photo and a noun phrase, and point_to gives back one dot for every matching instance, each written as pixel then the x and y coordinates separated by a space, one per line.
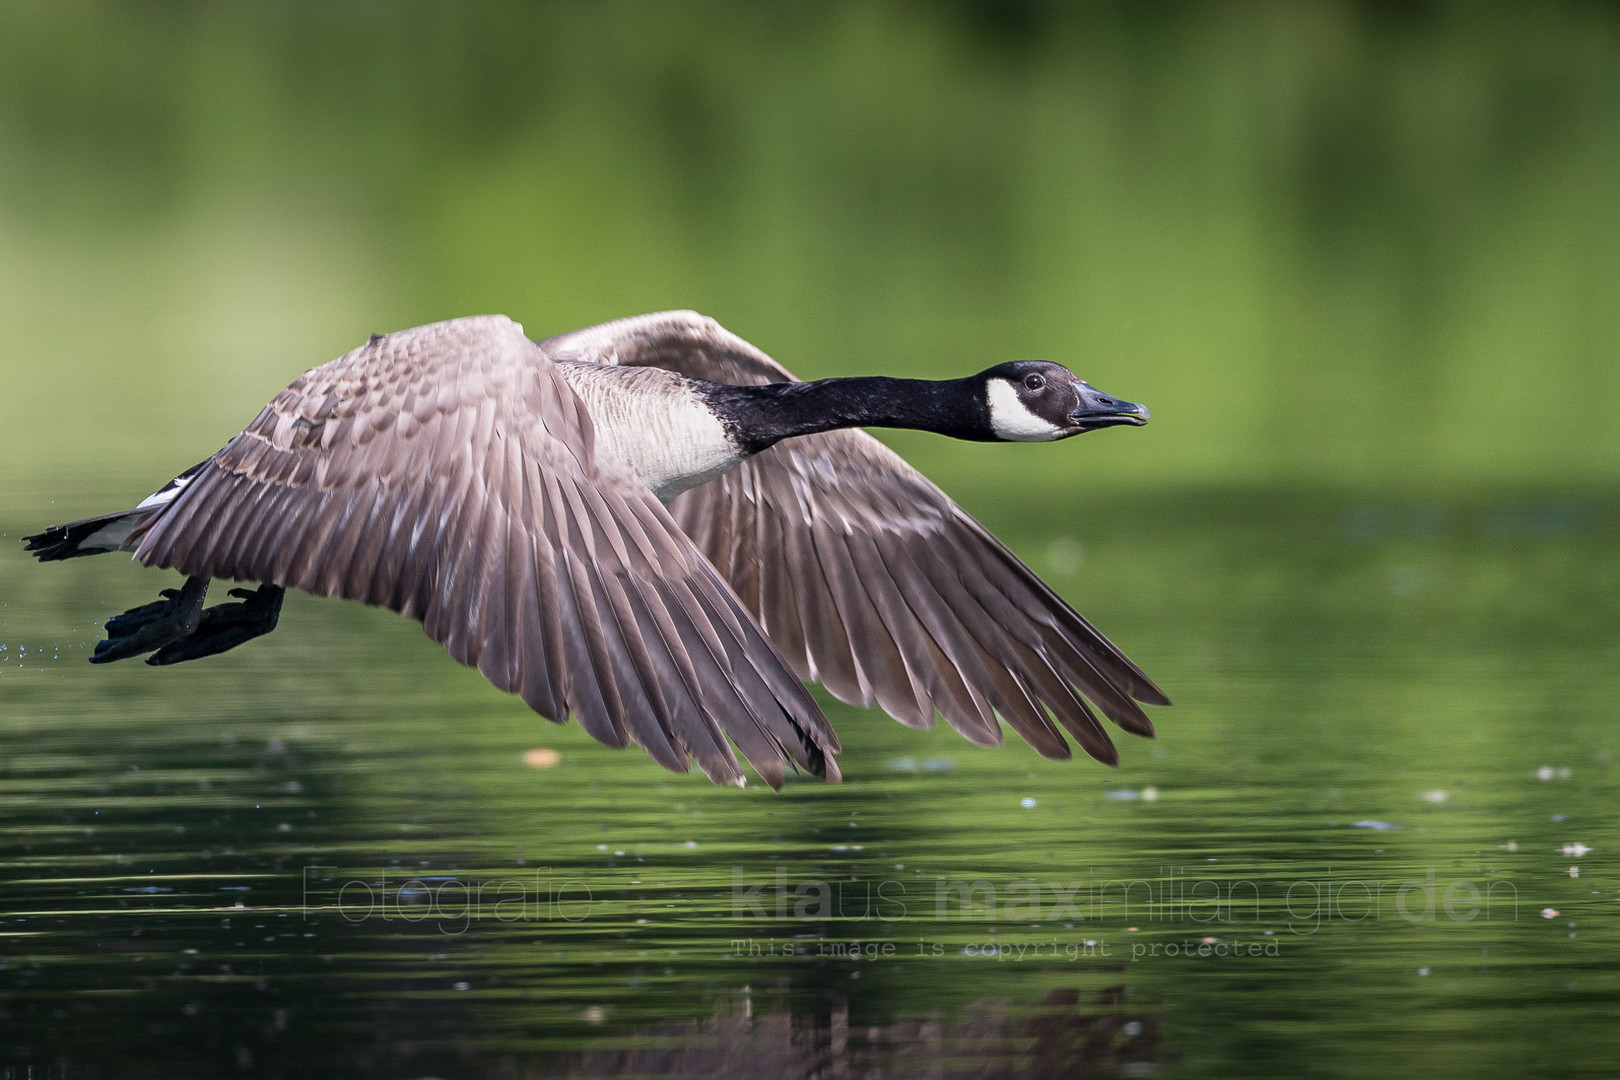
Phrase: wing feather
pixel 449 473
pixel 869 579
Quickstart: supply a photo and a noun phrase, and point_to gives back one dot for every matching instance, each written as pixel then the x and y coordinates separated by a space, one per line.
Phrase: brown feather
pixel 449 473
pixel 870 579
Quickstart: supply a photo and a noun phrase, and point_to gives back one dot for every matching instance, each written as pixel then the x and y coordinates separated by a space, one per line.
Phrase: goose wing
pixel 871 580
pixel 448 473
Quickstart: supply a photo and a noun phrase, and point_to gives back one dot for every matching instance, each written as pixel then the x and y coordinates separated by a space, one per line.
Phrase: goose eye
pixel 1034 382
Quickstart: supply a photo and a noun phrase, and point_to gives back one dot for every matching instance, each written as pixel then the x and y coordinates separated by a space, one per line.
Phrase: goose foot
pixel 225 626
pixel 152 626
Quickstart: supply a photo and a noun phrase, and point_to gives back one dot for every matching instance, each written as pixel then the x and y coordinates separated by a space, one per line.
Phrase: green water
pixel 1361 263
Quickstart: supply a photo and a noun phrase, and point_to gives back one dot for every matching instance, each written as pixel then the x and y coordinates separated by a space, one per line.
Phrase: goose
pixel 649 525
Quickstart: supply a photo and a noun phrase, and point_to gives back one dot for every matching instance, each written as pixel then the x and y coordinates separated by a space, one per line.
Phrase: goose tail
pixel 109 532
pixel 92 536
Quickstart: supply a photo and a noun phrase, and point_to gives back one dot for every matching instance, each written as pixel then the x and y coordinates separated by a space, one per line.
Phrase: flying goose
pixel 512 496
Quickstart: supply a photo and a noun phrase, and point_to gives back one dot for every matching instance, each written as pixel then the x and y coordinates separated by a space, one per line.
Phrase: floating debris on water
pixel 1547 772
pixel 1435 797
pixel 1549 913
pixel 1575 850
pixel 1380 826
pixel 911 765
pixel 1027 803
pixel 541 757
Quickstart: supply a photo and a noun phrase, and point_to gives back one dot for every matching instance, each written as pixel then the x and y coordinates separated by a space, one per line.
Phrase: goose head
pixel 1038 401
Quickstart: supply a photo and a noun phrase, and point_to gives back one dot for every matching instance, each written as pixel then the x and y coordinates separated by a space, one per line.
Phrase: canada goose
pixel 510 495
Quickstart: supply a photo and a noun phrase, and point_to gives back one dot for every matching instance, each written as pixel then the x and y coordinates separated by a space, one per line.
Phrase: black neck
pixel 758 416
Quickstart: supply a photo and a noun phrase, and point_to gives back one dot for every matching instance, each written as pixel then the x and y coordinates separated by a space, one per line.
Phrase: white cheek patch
pixel 1011 421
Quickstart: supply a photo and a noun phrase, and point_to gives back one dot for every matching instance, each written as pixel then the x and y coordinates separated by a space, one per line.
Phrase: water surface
pixel 1375 823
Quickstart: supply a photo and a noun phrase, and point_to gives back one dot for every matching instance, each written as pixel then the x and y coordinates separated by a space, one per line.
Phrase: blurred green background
pixel 1326 242
pixel 1361 261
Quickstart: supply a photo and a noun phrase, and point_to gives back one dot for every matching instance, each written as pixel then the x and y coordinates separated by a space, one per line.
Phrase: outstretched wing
pixel 448 473
pixel 871 580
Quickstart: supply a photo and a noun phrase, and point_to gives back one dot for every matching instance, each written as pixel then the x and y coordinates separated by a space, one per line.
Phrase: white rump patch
pixel 166 494
pixel 1011 421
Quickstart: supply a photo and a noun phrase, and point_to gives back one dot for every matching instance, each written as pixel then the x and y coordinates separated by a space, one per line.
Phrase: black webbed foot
pixel 225 626
pixel 135 618
pixel 152 626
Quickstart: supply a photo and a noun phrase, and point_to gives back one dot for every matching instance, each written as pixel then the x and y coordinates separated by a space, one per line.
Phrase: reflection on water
pixel 1062 1034
pixel 1376 822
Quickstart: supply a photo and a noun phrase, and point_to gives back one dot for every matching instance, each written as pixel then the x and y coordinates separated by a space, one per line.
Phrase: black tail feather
pixel 65 541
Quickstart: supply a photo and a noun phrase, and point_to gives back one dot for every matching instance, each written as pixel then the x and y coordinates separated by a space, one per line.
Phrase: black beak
pixel 1098 410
